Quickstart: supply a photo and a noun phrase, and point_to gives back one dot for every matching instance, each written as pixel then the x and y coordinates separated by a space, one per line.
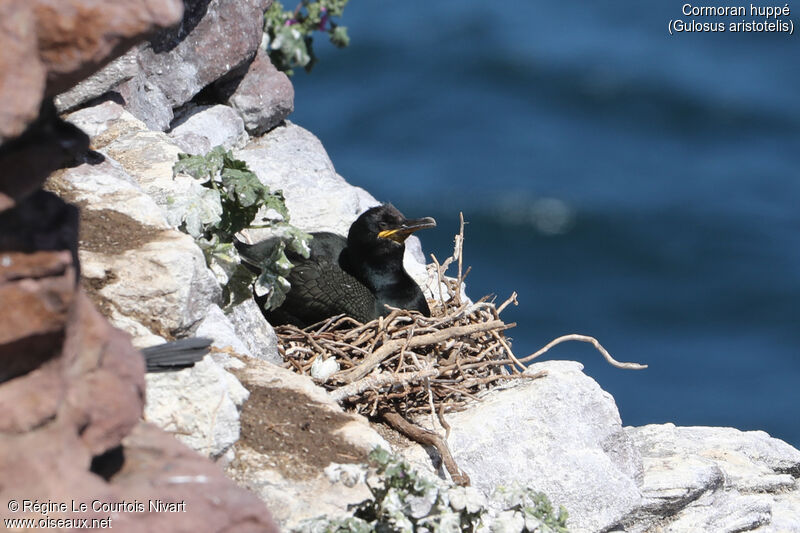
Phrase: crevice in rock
pixel 21 356
pixel 108 463
pixel 793 470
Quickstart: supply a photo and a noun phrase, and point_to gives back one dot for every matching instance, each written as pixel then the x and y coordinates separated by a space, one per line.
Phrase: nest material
pixel 406 364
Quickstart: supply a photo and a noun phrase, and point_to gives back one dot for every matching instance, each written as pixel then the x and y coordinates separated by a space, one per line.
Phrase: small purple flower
pixel 324 20
pixel 290 22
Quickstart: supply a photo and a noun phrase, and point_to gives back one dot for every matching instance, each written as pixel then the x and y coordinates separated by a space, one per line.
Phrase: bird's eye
pixel 383 225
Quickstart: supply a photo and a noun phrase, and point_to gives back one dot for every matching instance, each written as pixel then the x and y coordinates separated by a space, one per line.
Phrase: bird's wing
pixel 321 289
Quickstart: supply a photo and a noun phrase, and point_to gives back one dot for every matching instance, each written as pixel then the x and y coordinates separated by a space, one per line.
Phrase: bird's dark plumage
pixel 356 276
pixel 176 355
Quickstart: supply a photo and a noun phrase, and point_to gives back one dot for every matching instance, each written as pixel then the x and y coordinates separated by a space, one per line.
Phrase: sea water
pixel 629 184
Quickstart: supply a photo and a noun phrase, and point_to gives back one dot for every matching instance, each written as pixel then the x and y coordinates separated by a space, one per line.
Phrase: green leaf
pixel 200 208
pixel 339 37
pixel 200 167
pixel 243 186
pixel 277 202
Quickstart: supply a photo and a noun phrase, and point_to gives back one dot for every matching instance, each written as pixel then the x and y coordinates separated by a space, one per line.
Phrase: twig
pixel 429 438
pixel 379 381
pixel 584 338
pixel 423 340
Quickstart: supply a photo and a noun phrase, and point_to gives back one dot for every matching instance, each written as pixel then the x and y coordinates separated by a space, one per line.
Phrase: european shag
pixel 357 276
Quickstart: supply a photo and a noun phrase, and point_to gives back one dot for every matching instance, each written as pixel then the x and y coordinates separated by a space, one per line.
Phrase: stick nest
pixel 412 364
pixel 407 362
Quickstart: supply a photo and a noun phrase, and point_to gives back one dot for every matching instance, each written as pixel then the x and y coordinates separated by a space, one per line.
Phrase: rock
pixel 149 279
pixel 715 479
pixel 78 37
pixel 71 386
pixel 79 404
pixel 47 46
pixel 23 81
pixel 160 280
pixel 200 405
pixel 299 452
pixel 38 272
pixel 560 434
pixel 98 119
pixel 214 38
pixel 158 467
pixel 218 327
pixel 254 330
pixel 263 96
pixel 147 102
pixel 148 156
pixel 105 186
pixel 216 125
pixel 291 159
pixel 109 77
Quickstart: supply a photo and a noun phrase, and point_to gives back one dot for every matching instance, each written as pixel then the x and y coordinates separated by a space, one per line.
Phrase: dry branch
pixel 372 361
pixel 428 438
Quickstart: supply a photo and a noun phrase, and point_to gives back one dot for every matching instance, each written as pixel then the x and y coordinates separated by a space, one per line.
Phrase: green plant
pixel 289 34
pixel 403 500
pixel 226 198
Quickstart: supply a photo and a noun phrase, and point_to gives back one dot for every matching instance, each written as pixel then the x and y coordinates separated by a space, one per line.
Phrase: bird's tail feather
pixel 176 355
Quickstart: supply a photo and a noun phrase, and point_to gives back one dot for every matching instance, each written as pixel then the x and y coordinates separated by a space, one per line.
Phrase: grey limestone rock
pixel 254 330
pixel 200 405
pixel 317 469
pixel 204 127
pixel 715 479
pixel 263 96
pixel 214 38
pixel 560 434
pixel 292 159
pixel 109 77
pixel 147 102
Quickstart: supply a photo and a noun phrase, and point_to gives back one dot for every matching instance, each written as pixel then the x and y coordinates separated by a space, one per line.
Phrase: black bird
pixel 357 276
pixel 175 355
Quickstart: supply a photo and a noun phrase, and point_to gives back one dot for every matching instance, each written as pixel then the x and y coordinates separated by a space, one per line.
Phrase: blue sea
pixel 634 186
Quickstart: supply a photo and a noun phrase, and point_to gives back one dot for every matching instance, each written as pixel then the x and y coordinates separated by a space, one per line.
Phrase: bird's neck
pixel 376 270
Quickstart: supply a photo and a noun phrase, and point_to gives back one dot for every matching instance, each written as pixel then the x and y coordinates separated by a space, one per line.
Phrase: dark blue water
pixel 629 185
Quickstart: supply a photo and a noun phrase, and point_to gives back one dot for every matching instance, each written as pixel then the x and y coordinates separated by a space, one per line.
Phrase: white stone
pixel 200 405
pixel 254 330
pixel 216 125
pixel 328 491
pixel 291 159
pixel 560 434
pixel 715 479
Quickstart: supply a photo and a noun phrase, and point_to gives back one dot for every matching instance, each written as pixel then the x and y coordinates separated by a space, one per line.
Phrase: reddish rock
pixel 37 281
pixel 263 96
pixel 78 37
pixel 70 428
pixel 23 80
pixel 159 467
pixel 72 386
pixel 107 397
pixel 46 46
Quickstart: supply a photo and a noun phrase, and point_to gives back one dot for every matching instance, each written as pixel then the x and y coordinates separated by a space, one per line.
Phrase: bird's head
pixel 385 228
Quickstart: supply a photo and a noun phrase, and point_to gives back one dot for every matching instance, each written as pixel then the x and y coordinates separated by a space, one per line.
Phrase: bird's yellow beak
pixel 402 232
